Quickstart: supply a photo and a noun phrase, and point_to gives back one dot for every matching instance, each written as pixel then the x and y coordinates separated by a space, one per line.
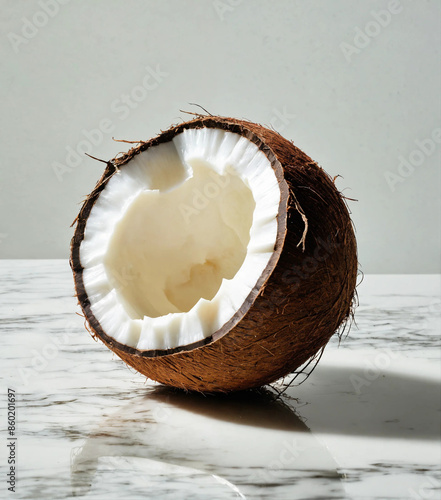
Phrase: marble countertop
pixel 364 425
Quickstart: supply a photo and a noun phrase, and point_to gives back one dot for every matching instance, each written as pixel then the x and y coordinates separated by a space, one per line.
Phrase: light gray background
pixel 279 63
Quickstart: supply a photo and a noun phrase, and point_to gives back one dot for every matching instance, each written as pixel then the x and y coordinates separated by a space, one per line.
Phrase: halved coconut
pixel 214 257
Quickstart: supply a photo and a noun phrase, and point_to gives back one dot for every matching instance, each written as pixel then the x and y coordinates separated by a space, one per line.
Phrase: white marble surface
pixel 365 425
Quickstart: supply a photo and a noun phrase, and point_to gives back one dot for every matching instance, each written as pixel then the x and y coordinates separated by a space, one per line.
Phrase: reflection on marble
pixel 231 445
pixel 366 424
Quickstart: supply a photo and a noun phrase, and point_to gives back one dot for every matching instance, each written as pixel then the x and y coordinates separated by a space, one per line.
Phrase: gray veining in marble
pixel 365 425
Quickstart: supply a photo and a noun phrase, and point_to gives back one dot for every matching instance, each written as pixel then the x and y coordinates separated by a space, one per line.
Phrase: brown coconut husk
pixel 303 297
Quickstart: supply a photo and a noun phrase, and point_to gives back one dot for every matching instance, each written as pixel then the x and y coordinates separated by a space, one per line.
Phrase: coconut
pixel 216 256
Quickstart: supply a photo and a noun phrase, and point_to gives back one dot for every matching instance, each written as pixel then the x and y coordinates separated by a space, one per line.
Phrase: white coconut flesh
pixel 178 239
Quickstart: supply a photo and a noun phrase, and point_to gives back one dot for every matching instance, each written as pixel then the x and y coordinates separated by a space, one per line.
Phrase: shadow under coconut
pixel 182 445
pixel 343 400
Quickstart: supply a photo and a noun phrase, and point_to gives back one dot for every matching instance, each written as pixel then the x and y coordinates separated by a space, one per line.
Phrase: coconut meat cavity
pixel 178 238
